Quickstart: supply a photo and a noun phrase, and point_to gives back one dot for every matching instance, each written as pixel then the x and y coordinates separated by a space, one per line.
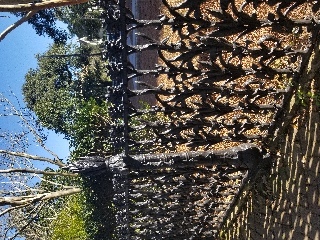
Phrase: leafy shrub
pixel 70 222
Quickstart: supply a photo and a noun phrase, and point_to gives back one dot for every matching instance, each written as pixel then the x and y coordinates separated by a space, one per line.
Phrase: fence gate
pixel 216 94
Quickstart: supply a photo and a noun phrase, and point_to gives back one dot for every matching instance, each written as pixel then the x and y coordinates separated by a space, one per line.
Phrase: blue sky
pixel 17 55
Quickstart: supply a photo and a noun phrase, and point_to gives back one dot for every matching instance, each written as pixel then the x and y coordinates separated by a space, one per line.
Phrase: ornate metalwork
pixel 150 189
pixel 229 73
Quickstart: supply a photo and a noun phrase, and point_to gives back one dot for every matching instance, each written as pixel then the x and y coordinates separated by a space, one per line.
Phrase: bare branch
pixel 20 192
pixel 29 222
pixel 18 201
pixel 72 55
pixel 34 157
pixel 31 216
pixel 17 24
pixel 21 170
pixel 53 183
pixel 38 6
pixel 38 138
pixel 13 208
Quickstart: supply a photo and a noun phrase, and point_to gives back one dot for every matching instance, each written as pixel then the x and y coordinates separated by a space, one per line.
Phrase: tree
pixel 27 5
pixel 33 11
pixel 72 215
pixel 90 129
pixel 48 218
pixel 87 210
pixel 48 90
pixel 66 76
pixel 44 23
pixel 82 20
pixel 28 185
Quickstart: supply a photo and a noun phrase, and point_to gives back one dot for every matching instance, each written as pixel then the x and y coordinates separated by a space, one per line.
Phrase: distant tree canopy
pixel 44 23
pixel 82 20
pixel 66 91
pixel 48 89
pixel 65 76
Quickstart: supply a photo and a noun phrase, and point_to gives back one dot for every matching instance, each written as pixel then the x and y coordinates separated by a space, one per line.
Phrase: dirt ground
pixel 285 200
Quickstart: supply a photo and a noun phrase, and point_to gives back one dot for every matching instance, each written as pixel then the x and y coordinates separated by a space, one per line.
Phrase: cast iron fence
pixel 224 77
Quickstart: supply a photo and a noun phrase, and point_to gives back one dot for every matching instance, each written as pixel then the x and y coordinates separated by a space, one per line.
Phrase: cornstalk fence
pixel 221 89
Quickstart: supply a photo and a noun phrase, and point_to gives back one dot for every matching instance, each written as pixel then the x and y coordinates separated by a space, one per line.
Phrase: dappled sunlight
pixel 286 204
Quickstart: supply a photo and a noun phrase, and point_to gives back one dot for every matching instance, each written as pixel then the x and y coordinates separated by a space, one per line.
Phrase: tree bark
pixel 21 6
pixel 25 200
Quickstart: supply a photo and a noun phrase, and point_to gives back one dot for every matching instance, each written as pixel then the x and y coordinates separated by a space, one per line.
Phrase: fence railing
pixel 223 77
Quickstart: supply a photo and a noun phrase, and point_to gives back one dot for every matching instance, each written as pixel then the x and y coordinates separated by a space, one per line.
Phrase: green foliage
pixel 88 215
pixel 44 23
pixel 67 94
pixel 66 91
pixel 35 221
pixel 53 183
pixel 55 90
pixel 146 134
pixel 304 97
pixel 101 222
pixel 81 21
pixel 48 89
pixel 70 222
pixel 90 129
pixel 92 81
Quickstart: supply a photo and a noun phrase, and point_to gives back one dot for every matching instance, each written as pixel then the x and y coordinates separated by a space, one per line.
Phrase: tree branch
pixel 17 24
pixel 72 55
pixel 38 6
pixel 23 200
pixel 32 130
pixel 13 208
pixel 24 170
pixel 34 157
pixel 31 219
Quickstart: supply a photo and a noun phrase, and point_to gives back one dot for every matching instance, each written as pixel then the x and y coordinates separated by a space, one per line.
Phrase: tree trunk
pixel 22 6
